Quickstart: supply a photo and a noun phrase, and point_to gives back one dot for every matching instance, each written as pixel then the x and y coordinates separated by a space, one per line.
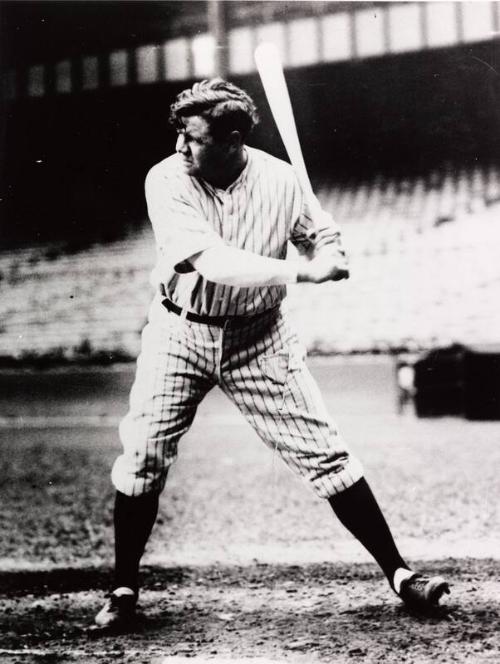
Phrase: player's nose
pixel 181 145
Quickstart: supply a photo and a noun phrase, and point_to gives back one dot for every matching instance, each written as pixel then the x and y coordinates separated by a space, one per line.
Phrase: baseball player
pixel 223 214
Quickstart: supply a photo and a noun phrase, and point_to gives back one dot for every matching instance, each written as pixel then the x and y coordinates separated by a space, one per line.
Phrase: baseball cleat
pixel 119 610
pixel 423 592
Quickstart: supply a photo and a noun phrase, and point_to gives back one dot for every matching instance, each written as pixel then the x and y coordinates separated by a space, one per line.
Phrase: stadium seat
pixel 424 270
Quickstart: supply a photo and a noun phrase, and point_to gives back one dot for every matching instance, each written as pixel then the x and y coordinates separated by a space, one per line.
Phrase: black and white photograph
pixel 249 332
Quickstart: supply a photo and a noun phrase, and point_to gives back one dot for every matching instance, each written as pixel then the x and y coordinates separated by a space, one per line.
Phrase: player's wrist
pixel 292 272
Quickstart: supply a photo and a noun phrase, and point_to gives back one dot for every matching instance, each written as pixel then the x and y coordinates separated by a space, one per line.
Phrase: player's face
pixel 202 155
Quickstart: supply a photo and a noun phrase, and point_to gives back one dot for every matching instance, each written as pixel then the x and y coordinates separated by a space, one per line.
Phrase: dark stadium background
pixel 74 164
pixel 404 149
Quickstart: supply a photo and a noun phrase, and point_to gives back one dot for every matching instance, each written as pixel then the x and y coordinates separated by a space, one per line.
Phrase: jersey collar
pixel 240 180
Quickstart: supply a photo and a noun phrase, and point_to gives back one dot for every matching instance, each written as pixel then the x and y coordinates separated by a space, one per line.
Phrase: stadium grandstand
pixel 398 109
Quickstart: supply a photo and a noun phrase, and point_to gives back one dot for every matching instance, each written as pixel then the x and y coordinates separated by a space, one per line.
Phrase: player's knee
pixel 134 477
pixel 342 473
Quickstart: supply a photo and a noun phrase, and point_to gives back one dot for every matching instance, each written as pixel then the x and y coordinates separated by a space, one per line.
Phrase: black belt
pixel 216 320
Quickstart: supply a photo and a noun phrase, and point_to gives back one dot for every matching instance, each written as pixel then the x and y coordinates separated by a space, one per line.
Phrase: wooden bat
pixel 271 74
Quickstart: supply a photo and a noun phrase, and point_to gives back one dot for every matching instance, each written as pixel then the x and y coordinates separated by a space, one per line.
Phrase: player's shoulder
pixel 269 165
pixel 168 169
pixel 262 157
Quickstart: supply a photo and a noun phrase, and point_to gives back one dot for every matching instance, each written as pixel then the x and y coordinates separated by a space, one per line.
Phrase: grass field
pixel 244 560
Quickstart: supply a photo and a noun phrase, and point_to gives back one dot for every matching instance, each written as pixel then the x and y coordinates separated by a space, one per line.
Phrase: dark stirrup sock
pixel 134 518
pixel 358 510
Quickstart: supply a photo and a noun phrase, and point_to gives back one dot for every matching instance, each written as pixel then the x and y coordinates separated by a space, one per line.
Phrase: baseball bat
pixel 270 69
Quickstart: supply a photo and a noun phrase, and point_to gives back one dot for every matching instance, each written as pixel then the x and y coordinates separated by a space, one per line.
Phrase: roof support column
pixel 217 25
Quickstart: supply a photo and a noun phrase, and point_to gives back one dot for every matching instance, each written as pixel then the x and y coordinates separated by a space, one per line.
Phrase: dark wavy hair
pixel 223 105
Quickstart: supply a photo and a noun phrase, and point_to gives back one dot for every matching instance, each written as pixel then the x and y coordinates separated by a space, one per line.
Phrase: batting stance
pixel 222 214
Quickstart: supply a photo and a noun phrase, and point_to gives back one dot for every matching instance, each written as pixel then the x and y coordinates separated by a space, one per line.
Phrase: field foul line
pixel 90 421
pixel 58 421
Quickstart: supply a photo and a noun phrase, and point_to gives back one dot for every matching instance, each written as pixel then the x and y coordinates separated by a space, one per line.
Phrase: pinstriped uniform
pixel 259 212
pixel 258 363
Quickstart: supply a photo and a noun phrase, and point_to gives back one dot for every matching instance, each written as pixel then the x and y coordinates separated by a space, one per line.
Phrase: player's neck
pixel 231 171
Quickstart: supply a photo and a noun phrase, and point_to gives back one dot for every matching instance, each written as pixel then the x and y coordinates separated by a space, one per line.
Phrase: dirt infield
pixel 313 613
pixel 245 564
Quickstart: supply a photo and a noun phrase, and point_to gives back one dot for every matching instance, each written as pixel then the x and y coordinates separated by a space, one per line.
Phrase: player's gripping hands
pixel 328 264
pixel 325 261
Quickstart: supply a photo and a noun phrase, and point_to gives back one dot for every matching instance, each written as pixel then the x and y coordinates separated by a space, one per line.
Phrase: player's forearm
pixel 243 269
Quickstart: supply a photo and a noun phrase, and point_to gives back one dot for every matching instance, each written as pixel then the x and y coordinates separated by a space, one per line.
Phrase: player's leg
pixel 358 510
pixel 133 519
pixel 172 378
pixel 267 379
pixel 280 398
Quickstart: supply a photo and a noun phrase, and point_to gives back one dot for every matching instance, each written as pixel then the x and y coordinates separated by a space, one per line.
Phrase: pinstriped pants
pixel 260 367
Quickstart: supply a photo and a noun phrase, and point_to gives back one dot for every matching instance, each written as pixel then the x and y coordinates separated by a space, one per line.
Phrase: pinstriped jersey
pixel 261 211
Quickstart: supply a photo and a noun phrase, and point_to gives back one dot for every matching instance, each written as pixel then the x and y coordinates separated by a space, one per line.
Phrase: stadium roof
pixel 45 30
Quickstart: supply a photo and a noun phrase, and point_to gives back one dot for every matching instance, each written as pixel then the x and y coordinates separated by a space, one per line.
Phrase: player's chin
pixel 189 168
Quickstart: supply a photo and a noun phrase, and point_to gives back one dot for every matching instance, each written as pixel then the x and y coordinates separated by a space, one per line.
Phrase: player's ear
pixel 235 139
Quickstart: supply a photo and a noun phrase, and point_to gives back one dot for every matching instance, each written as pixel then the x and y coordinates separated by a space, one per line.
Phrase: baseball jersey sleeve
pixel 180 229
pixel 304 224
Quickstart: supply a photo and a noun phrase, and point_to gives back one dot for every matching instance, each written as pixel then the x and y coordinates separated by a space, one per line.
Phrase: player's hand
pixel 327 265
